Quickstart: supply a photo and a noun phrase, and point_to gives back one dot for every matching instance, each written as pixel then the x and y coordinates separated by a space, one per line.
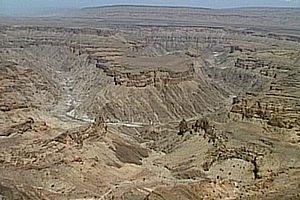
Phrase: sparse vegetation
pixel 277 121
pixel 183 127
pixel 203 124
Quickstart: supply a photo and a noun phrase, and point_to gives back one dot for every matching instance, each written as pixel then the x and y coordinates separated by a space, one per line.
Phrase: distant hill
pixel 146 6
pixel 188 7
pixel 258 17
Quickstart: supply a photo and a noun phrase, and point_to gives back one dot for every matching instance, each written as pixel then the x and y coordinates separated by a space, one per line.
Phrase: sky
pixel 27 7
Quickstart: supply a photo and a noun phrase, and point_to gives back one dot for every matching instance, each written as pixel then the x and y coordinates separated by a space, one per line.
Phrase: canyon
pixel 151 103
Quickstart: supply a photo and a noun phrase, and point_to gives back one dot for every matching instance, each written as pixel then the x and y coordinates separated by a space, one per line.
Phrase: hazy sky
pixel 21 7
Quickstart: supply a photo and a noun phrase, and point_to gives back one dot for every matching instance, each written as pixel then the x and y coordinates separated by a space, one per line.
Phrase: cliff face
pixel 281 114
pixel 154 78
pixel 148 77
pixel 266 68
pixel 277 102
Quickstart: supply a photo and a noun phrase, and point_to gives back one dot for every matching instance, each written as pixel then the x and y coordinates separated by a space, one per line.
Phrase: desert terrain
pixel 151 103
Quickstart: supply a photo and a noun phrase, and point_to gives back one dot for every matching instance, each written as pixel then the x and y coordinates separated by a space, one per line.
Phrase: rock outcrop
pixel 266 68
pixel 18 128
pixel 96 130
pixel 154 78
pixel 277 114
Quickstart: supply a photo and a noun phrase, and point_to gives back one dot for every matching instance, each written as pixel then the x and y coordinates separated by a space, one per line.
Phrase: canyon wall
pixel 149 77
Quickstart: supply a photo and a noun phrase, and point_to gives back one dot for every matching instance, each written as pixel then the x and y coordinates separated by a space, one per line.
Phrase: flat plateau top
pixel 167 62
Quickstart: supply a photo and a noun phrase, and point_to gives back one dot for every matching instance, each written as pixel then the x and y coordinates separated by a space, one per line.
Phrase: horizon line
pixel 183 6
pixel 53 10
